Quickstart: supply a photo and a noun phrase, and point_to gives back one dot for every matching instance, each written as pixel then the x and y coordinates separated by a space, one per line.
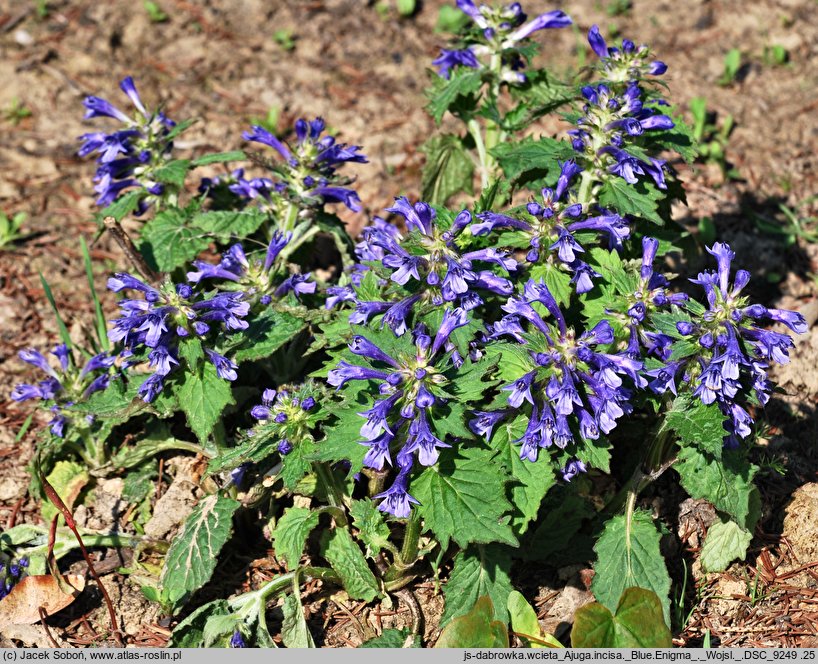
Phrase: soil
pixel 364 71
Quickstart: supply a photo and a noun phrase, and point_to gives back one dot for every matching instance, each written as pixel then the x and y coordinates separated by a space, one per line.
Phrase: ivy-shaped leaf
pixel 265 335
pixel 463 498
pixel 392 638
pixel 726 541
pixel 637 623
pixel 173 173
pixel 445 95
pixel 224 224
pixel 628 555
pixel 479 570
pixel 531 155
pixel 697 425
pixel 372 529
pixel 194 552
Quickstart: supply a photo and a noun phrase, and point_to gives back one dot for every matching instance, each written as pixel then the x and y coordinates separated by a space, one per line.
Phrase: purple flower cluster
pixel 259 280
pixel 552 226
pixel 154 325
pixel 628 62
pixel 308 173
pixel 651 295
pixel 411 386
pixel 501 31
pixel 572 385
pixel 11 574
pixel 284 416
pixel 734 353
pixel 130 156
pixel 610 123
pixel 66 384
pixel 428 261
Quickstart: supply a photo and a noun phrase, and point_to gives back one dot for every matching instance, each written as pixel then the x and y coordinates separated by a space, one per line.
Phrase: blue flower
pixel 129 157
pixel 734 353
pixel 66 384
pixel 625 63
pixel 308 172
pixel 155 324
pixel 573 387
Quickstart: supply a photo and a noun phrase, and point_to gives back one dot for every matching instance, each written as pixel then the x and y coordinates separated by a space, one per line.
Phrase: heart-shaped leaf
pixel 638 623
pixel 475 629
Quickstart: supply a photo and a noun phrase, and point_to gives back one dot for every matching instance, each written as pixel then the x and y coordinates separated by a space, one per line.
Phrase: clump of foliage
pixel 450 387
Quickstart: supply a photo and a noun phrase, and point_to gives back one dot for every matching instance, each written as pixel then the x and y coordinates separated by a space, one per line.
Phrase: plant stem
pixel 409 550
pixel 290 217
pixel 485 166
pixel 585 184
pixel 335 493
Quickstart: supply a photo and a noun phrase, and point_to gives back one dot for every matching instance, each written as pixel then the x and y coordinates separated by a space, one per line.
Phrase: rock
pixel 561 611
pixel 800 524
pixel 177 502
pixel 11 489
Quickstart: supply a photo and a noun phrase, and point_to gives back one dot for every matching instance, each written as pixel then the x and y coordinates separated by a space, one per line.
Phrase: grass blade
pixel 99 316
pixel 66 338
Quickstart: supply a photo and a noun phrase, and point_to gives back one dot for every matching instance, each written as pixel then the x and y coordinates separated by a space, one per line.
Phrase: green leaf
pixel 726 541
pixel 347 560
pixel 63 330
pixel 638 200
pixel 298 463
pixel 202 396
pixel 638 623
pixel 392 638
pixel 530 481
pixel 68 479
pixel 725 482
pixel 445 95
pixel 179 128
pixel 628 555
pixel 219 158
pixel 123 205
pixel 475 629
pixel 542 94
pixel 372 529
pixel 558 527
pixel 479 570
pixel 596 454
pixel 448 170
pixel 342 438
pixel 558 282
pixel 167 242
pixel 512 360
pixel 294 631
pixel 224 224
pixel 264 336
pixel 291 532
pixel 697 425
pixel 524 623
pixel 194 552
pixel 190 632
pixel 173 173
pixel 531 155
pixel 463 498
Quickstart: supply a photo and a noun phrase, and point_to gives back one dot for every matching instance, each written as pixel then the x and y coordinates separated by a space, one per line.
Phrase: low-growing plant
pixel 447 391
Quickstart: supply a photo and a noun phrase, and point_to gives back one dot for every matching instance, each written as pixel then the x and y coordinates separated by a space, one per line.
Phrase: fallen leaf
pixel 22 605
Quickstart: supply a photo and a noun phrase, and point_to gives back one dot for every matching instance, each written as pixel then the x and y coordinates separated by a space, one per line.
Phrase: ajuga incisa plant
pixel 449 392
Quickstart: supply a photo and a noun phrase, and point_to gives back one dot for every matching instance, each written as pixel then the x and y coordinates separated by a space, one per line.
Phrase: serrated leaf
pixel 219 158
pixel 596 454
pixel 475 629
pixel 512 360
pixel 392 638
pixel 294 631
pixel 531 155
pixel 167 242
pixel 628 555
pixel 558 527
pixel 291 532
pixel 530 481
pixel 298 463
pixel 173 173
pixel 726 541
pixel 178 128
pixel 190 632
pixel 202 396
pixel 265 335
pixel 445 94
pixel 463 498
pixel 697 424
pixel 224 224
pixel 638 623
pixel 637 200
pixel 123 205
pixel 725 482
pixel 448 170
pixel 558 282
pixel 479 570
pixel 372 529
pixel 194 552
pixel 349 563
